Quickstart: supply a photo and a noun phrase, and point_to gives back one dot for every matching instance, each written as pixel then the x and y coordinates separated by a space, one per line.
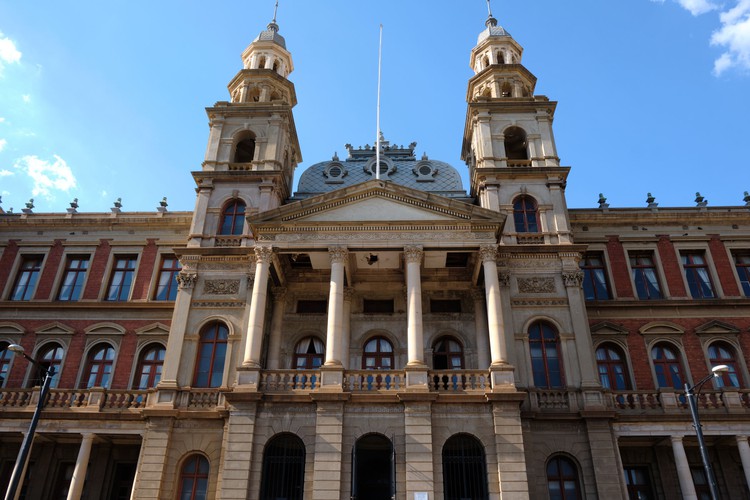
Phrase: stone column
pixel 347 332
pixel 256 320
pixel 413 257
pixel 335 326
pixel 186 282
pixel 744 450
pixel 683 469
pixel 82 463
pixel 480 325
pixel 495 324
pixel 277 317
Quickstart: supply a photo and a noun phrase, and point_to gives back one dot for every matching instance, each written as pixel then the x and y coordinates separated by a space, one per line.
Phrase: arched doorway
pixel 373 468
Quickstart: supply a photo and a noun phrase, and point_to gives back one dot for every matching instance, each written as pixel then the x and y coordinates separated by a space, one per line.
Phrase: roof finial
pixel 276 8
pixel 272 26
pixel 491 21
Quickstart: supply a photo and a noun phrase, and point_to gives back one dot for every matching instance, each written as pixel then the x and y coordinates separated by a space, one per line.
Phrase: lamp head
pixel 15 348
pixel 719 369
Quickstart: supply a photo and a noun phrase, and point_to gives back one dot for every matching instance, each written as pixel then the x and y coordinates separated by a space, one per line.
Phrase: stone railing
pixel 374 380
pixel 15 398
pixel 200 399
pixel 551 400
pixel 459 381
pixel 289 380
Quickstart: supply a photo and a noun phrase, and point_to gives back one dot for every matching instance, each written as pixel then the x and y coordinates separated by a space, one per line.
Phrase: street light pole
pixel 692 396
pixel 23 453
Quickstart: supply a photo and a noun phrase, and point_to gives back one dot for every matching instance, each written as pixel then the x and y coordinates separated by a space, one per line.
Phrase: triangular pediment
pixel 55 328
pixel 716 327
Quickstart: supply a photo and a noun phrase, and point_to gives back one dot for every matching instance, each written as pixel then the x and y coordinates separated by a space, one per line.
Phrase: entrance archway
pixel 373 468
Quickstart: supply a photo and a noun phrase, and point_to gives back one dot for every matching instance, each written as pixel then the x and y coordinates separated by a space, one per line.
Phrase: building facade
pixel 380 332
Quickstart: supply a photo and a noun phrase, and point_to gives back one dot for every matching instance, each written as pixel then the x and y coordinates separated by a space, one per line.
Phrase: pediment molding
pixel 55 328
pixel 716 327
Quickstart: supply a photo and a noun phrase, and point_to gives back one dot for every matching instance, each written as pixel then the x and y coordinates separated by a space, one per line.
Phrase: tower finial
pixel 272 26
pixel 491 21
pixel 276 8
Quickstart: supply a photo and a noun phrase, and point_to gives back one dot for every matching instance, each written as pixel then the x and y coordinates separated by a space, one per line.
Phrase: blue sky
pixel 105 100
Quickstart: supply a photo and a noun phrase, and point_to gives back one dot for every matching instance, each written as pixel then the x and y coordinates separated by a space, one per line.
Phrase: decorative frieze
pixel 503 278
pixel 379 234
pixel 221 287
pixel 217 304
pixel 539 302
pixel 536 285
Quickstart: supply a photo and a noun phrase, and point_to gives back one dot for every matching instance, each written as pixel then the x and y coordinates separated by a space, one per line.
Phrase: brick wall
pixel 619 268
pixel 51 266
pixel 6 263
pixel 96 278
pixel 145 271
pixel 671 266
pixel 724 267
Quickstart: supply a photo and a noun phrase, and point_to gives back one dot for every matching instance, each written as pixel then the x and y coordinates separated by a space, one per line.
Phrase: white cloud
pixel 3 143
pixel 734 37
pixel 6 173
pixel 2 119
pixel 104 194
pixel 697 7
pixel 26 98
pixel 9 54
pixel 47 176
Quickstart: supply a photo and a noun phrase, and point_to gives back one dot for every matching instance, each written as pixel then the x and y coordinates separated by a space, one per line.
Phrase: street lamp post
pixel 23 453
pixel 692 396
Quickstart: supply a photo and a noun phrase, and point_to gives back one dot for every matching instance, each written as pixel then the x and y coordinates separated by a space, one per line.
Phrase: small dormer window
pixel 424 170
pixel 386 167
pixel 335 173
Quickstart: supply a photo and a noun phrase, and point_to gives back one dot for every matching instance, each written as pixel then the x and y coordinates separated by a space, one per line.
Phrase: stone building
pixel 381 331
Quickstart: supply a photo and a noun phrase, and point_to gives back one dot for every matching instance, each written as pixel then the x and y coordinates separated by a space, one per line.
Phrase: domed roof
pixel 398 164
pixel 493 29
pixel 271 34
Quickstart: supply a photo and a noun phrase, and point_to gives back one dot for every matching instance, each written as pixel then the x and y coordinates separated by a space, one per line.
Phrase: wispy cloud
pixel 6 173
pixel 48 176
pixel 26 98
pixel 697 7
pixel 3 143
pixel 9 54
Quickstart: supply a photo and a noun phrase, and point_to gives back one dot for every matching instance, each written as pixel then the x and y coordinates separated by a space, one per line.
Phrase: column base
pixel 502 377
pixel 331 378
pixel 248 379
pixel 417 378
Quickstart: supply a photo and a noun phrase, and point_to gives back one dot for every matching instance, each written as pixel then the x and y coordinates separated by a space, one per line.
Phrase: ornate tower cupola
pixel 508 142
pixel 253 147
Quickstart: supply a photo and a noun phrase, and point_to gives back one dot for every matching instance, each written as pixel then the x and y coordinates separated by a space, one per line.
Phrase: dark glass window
pixel 121 279
pixel 378 354
pixel 374 468
pixel 546 362
pixel 525 215
pixel 721 353
pixel 445 306
pixel 98 367
pixel 697 276
pixel 447 354
pixel 378 306
pixel 50 355
pixel 312 306
pixel 73 278
pixel 194 478
pixel 233 218
pixel 595 284
pixel 613 372
pixel 464 468
pixel 28 275
pixel 167 287
pixel 150 364
pixel 638 481
pixel 644 276
pixel 667 366
pixel 742 263
pixel 308 354
pixel 6 356
pixel 562 479
pixel 212 351
pixel 283 468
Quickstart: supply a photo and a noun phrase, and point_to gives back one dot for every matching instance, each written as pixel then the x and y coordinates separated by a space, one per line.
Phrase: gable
pixel 376 209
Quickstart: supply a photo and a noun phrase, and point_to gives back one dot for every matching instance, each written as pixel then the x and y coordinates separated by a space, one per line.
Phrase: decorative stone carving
pixel 536 285
pixel 263 254
pixel 338 254
pixel 186 280
pixel 250 281
pixel 539 302
pixel 211 304
pixel 504 278
pixel 488 253
pixel 221 287
pixel 381 234
pixel 413 254
pixel 573 278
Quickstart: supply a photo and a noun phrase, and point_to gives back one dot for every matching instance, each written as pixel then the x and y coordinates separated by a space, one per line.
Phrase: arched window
pixel 244 152
pixel 506 90
pixel 525 215
pixel 48 356
pixel 613 372
pixel 667 366
pixel 464 468
pixel 98 367
pixel 516 146
pixel 308 354
pixel 546 362
pixel 374 468
pixel 150 364
pixel 194 478
pixel 233 218
pixel 283 468
pixel 212 351
pixel 447 354
pixel 378 354
pixel 500 58
pixel 562 479
pixel 485 61
pixel 721 353
pixel 6 355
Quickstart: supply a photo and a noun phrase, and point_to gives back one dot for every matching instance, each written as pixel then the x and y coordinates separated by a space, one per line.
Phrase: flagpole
pixel 377 132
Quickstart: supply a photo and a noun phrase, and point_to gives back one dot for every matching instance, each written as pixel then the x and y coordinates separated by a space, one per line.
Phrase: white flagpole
pixel 377 133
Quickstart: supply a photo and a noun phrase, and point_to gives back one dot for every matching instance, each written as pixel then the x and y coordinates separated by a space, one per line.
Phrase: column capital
pixel 676 439
pixel 263 254
pixel 573 278
pixel 338 255
pixel 488 253
pixel 413 254
pixel 186 280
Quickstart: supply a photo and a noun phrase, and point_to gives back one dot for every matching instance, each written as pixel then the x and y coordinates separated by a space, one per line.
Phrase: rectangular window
pixel 167 287
pixel 378 306
pixel 445 306
pixel 639 483
pixel 645 278
pixel 28 275
pixel 595 285
pixel 312 306
pixel 457 259
pixel 697 276
pixel 121 279
pixel 73 278
pixel 742 263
